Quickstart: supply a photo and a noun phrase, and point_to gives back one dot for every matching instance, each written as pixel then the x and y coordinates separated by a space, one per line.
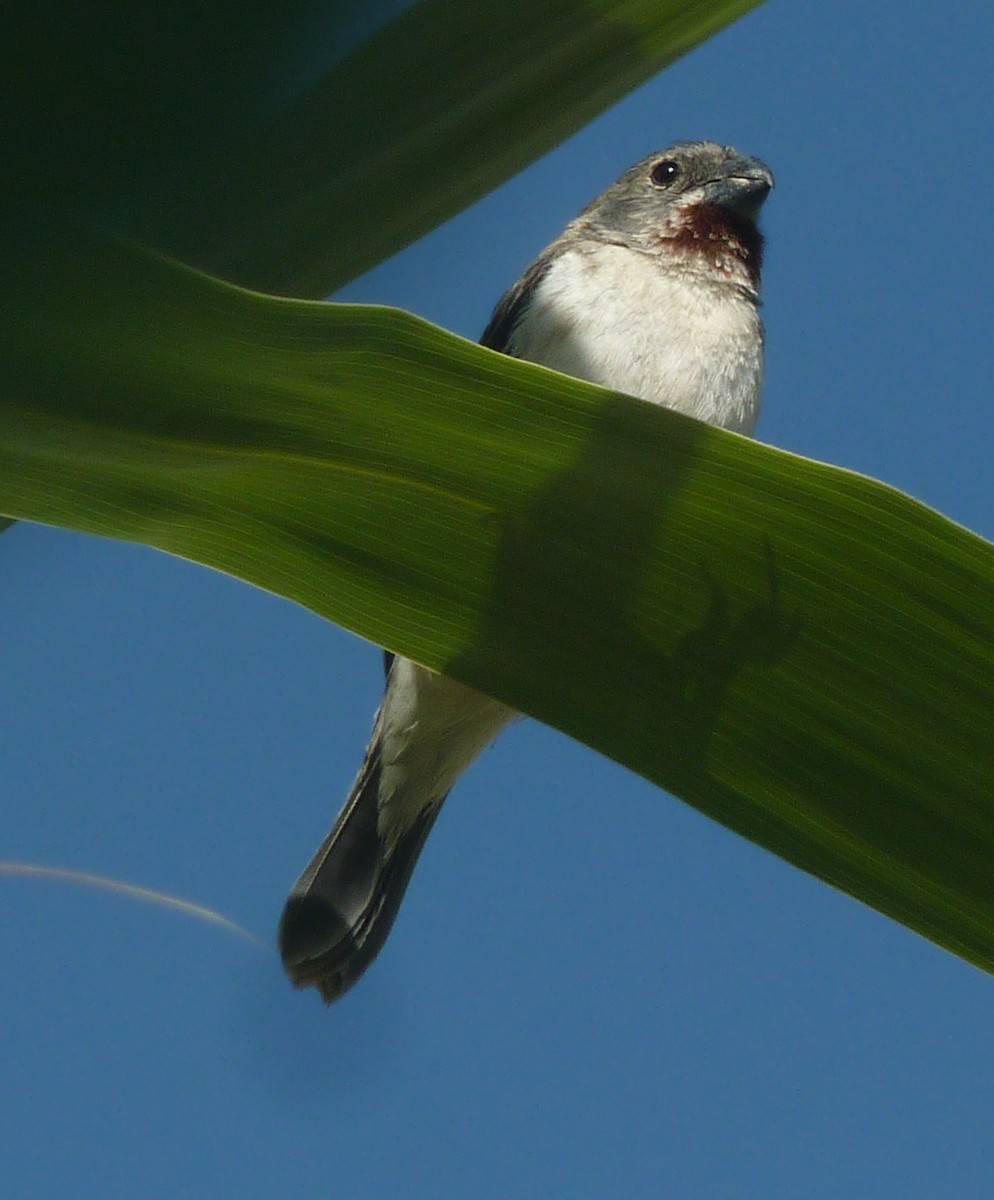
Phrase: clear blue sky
pixel 592 991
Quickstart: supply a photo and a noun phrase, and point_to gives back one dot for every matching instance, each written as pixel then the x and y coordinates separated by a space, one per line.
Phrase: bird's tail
pixel 343 906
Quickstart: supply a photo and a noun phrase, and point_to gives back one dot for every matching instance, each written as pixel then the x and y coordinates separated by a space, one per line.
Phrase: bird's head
pixel 695 202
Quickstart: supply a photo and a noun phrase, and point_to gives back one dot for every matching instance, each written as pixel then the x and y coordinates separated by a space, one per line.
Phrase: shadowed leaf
pixel 802 653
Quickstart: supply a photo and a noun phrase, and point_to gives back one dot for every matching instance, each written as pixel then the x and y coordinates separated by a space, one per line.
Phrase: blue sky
pixel 591 990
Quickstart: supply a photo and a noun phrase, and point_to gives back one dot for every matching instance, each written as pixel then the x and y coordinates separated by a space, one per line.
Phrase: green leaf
pixel 103 106
pixel 802 653
pixel 154 117
pixel 430 113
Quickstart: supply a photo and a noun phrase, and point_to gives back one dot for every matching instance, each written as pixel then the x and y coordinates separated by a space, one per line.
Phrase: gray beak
pixel 743 185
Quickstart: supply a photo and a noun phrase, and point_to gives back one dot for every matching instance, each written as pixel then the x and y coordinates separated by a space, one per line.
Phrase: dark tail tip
pixel 317 946
pixel 338 917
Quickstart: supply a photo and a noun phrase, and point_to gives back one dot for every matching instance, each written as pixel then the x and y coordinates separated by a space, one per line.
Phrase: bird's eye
pixel 665 172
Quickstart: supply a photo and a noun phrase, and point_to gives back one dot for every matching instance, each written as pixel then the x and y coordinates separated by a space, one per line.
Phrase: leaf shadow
pixel 563 610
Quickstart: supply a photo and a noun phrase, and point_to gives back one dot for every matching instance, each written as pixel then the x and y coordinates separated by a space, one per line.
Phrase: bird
pixel 653 290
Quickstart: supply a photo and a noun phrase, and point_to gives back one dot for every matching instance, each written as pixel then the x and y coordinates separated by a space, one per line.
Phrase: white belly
pixel 613 316
pixel 430 729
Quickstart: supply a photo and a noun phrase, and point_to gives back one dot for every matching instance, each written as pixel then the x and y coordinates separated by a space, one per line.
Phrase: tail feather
pixel 426 733
pixel 342 908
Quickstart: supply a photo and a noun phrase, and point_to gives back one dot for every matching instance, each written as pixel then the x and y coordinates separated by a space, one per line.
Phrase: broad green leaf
pixel 103 105
pixel 152 117
pixel 802 653
pixel 159 117
pixel 430 113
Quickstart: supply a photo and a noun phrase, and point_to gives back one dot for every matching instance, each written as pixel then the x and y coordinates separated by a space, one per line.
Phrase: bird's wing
pixel 500 329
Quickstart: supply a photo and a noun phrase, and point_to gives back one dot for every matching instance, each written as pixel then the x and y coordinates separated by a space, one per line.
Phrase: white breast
pixel 616 317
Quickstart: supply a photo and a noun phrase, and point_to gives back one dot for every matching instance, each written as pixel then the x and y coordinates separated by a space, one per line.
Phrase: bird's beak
pixel 742 186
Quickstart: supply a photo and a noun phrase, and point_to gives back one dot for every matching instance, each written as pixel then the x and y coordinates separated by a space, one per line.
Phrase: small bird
pixel 654 291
